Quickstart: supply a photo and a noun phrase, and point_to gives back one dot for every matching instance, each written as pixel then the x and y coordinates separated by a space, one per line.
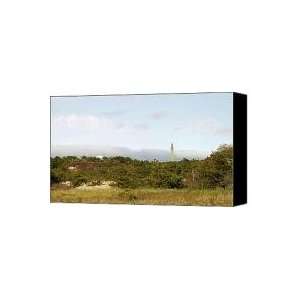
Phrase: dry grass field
pixel 152 196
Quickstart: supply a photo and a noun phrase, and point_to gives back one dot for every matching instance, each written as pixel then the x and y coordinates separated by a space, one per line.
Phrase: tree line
pixel 214 171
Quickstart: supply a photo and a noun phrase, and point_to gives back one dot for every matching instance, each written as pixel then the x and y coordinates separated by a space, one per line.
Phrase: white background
pixel 148 252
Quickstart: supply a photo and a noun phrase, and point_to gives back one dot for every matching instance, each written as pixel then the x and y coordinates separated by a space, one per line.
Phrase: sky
pixel 198 122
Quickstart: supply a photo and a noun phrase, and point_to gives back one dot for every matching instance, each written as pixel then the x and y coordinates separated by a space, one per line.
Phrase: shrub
pixel 175 182
pixel 79 180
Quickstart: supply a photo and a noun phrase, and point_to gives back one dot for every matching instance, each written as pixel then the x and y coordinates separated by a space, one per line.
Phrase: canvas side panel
pixel 240 148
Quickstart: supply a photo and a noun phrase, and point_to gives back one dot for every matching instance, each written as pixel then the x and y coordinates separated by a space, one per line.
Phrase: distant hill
pixel 143 154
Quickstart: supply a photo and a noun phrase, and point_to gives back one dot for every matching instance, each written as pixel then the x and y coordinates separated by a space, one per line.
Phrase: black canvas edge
pixel 239 149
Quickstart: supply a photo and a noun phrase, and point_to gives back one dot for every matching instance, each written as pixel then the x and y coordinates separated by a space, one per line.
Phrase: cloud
pixel 206 126
pixel 224 131
pixel 82 122
pixel 141 126
pixel 158 115
pixel 178 128
pixel 115 113
pixel 91 123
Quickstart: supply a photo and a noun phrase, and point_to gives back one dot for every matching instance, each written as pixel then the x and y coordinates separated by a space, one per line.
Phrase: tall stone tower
pixel 172 156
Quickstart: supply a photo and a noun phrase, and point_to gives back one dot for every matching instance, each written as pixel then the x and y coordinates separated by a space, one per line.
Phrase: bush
pixel 175 182
pixel 57 176
pixel 79 180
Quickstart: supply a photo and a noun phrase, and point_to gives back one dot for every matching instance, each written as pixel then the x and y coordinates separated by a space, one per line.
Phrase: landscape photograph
pixel 156 149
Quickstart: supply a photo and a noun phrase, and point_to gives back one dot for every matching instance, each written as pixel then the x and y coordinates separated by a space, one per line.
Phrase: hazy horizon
pixel 141 154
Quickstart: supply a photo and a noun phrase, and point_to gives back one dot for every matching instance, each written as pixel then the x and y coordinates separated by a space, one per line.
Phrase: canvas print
pixel 163 149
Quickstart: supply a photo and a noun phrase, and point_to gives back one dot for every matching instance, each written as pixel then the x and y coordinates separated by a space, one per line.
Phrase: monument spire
pixel 172 152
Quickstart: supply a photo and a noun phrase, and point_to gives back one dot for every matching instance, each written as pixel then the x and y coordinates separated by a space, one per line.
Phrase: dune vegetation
pixel 124 180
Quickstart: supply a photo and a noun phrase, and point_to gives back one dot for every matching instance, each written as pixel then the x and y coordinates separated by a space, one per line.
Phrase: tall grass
pixel 205 197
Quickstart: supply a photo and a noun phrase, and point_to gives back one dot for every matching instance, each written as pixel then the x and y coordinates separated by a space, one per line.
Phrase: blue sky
pixel 198 122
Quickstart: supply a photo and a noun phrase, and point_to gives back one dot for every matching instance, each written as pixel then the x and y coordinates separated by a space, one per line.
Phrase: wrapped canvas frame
pixel 239 140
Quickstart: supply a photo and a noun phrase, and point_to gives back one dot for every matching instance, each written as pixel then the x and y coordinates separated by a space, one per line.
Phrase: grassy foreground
pixel 208 197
